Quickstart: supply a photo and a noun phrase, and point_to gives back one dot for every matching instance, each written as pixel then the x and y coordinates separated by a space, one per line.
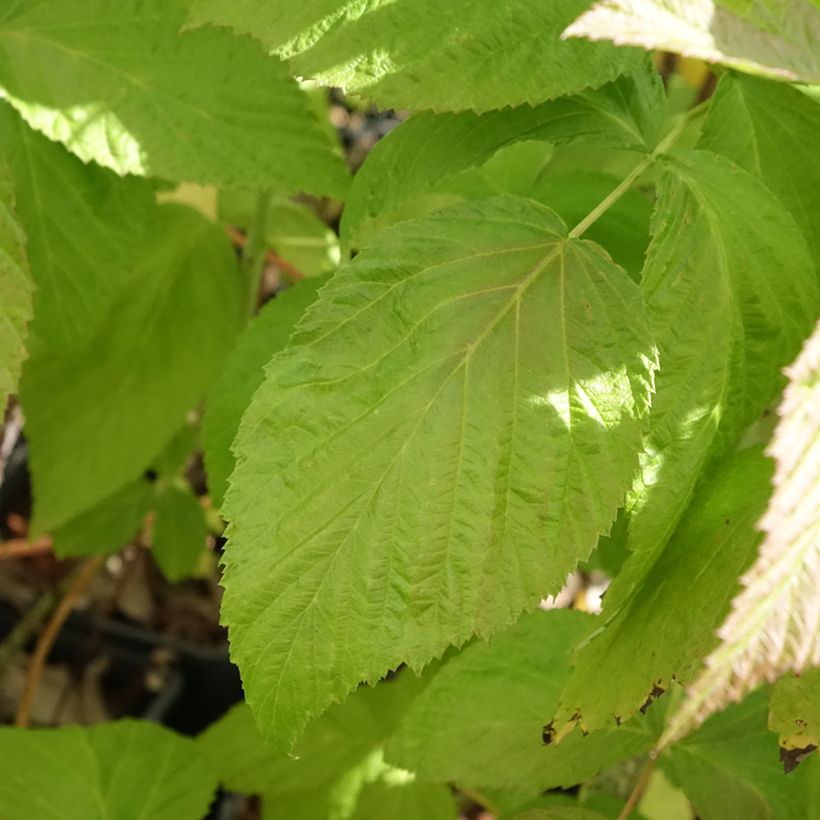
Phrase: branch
pixel 79 582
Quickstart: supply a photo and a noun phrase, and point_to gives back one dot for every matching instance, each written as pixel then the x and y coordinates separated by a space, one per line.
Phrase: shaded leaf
pixel 228 399
pixel 770 129
pixel 179 532
pixel 407 800
pixel 774 38
pixel 730 768
pixel 774 625
pixel 493 700
pixel 17 289
pixel 428 148
pixel 148 363
pixel 427 54
pixel 333 758
pixel 124 88
pixel 413 441
pixel 128 770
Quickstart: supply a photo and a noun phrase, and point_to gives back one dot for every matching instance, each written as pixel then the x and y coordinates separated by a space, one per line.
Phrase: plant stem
pixel 253 255
pixel 661 148
pixel 640 786
pixel 79 581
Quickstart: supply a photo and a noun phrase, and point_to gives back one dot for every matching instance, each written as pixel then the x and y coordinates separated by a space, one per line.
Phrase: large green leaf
pixel 429 54
pixel 775 37
pixel 267 334
pixel 126 770
pixel 85 228
pixel 725 328
pixel 668 624
pixel 98 415
pixel 124 88
pixel 333 759
pixel 429 148
pixel 729 768
pixel 455 422
pixel 493 700
pixel 16 288
pixel 770 129
pixel 773 626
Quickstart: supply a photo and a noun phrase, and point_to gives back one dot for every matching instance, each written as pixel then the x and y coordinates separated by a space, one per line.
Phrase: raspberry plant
pixel 556 341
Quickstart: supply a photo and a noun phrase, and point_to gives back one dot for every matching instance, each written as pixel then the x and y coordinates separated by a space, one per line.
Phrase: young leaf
pixel 429 148
pixel 99 415
pixel 729 768
pixel 243 373
pixel 495 700
pixel 668 624
pixel 128 770
pixel 124 88
pixel 725 327
pixel 331 760
pixel 774 38
pixel 455 422
pixel 406 800
pixel 179 533
pixel 794 713
pixel 769 129
pixel 16 288
pixel 428 54
pixel 774 621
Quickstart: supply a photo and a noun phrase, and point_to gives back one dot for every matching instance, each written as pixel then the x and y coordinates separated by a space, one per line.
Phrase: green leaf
pixel 729 768
pixel 108 526
pixel 267 334
pixel 331 761
pixel 405 800
pixel 769 129
pixel 179 533
pixel 427 54
pixel 455 422
pixel 724 325
pixel 16 288
pixel 429 148
pixel 633 655
pixel 493 700
pixel 124 88
pixel 99 415
pixel 85 229
pixel 128 770
pixel 559 813
pixel 775 38
pixel 794 711
pixel 773 623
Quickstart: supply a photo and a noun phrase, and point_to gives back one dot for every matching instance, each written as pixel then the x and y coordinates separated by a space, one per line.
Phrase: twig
pixel 271 257
pixel 640 786
pixel 21 548
pixel 80 580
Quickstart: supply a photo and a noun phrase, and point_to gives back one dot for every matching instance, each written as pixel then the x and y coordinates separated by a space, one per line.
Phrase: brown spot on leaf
pixel 656 692
pixel 548 733
pixel 791 758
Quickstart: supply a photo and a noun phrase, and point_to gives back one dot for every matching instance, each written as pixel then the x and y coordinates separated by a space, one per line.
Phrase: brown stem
pixel 640 786
pixel 21 548
pixel 271 257
pixel 81 579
